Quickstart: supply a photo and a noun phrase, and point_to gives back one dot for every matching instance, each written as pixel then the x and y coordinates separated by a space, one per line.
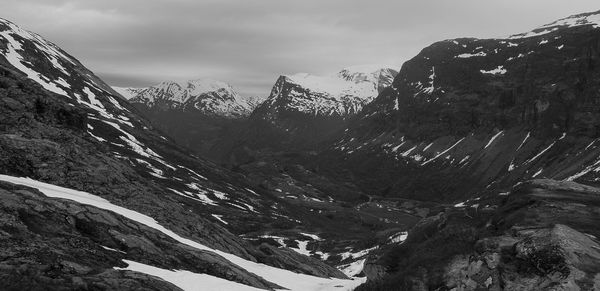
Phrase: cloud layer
pixel 249 43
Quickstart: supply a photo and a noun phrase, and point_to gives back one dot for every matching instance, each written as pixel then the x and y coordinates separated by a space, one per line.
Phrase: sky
pixel 249 43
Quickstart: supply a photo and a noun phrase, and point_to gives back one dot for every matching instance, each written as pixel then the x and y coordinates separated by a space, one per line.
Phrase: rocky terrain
pixel 540 236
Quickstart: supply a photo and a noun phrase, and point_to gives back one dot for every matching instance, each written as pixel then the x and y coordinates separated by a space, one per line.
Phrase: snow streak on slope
pixel 187 280
pixel 284 278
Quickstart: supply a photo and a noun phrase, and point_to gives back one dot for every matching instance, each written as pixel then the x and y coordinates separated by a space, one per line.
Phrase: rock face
pixel 62 125
pixel 540 237
pixel 467 116
pixel 74 246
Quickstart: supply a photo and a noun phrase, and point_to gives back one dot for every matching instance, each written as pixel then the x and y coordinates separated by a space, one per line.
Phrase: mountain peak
pixel 208 96
pixel 583 19
pixel 340 94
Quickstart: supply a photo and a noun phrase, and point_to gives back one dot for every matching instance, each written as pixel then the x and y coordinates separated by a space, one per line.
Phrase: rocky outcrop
pixel 70 246
pixel 558 257
pixel 539 237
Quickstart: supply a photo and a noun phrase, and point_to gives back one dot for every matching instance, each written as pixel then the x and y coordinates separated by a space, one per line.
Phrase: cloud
pixel 249 43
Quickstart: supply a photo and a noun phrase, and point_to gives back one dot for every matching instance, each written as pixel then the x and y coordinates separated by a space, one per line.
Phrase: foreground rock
pixel 543 236
pixel 73 246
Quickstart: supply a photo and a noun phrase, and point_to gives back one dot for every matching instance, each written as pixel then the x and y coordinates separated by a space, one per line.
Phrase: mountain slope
pixel 484 114
pixel 62 125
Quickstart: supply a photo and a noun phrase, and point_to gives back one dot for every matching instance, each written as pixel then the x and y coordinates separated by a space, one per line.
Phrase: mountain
pixel 486 110
pixel 93 197
pixel 194 113
pixel 208 97
pixel 301 112
pixel 340 95
pixel 465 124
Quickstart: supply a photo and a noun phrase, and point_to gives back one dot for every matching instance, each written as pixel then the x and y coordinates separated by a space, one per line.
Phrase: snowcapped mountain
pixel 303 110
pixel 209 97
pixel 194 113
pixel 341 94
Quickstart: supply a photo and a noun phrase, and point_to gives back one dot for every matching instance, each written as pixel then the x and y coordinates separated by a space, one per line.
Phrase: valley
pixel 473 167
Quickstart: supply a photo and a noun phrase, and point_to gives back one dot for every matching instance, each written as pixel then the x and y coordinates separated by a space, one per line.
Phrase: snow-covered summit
pixel 339 94
pixel 377 75
pixel 583 19
pixel 208 96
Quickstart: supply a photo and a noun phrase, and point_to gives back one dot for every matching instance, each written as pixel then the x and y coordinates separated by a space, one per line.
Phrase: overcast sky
pixel 249 43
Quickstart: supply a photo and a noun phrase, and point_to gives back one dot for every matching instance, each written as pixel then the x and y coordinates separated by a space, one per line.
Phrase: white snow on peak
pixel 342 93
pixel 206 95
pixel 333 86
pixel 592 19
pixel 285 278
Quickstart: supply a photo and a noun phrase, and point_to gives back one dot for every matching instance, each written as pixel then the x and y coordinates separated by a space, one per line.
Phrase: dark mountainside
pixel 470 116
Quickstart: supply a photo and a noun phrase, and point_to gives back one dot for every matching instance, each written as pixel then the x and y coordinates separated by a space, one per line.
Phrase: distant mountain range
pixel 207 97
